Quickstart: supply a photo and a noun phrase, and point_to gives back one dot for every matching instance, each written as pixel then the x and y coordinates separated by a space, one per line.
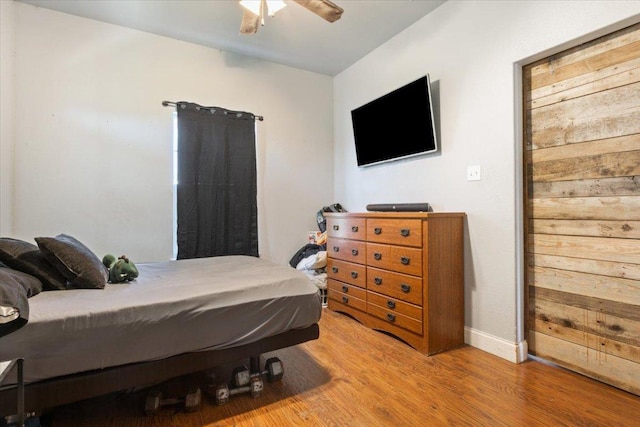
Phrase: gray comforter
pixel 173 307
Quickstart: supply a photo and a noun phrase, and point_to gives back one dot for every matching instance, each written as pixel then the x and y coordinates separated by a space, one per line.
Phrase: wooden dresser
pixel 400 272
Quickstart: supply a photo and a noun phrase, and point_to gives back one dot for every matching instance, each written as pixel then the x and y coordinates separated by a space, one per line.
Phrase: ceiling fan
pixel 253 11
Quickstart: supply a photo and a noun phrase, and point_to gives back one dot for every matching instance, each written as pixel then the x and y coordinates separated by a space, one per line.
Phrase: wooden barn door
pixel 582 163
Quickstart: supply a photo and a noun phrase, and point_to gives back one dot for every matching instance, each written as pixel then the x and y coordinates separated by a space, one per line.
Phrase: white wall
pixel 93 145
pixel 6 113
pixel 471 51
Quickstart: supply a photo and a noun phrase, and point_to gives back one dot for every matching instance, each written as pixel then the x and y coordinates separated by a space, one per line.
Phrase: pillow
pixel 27 258
pixel 15 288
pixel 31 285
pixel 81 267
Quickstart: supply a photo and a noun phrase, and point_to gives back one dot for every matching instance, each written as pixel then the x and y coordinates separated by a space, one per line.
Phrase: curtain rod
pixel 175 104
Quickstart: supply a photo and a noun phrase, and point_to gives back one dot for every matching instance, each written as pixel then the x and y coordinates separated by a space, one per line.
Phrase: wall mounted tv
pixel 395 126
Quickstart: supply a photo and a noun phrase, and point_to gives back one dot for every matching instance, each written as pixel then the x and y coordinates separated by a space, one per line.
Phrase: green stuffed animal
pixel 121 269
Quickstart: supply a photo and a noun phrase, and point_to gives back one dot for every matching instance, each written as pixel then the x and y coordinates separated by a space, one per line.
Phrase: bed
pixel 176 318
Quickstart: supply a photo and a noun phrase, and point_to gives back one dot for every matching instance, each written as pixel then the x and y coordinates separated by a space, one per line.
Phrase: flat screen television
pixel 395 126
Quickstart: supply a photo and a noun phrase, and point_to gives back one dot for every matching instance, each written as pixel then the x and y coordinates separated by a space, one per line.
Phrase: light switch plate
pixel 473 173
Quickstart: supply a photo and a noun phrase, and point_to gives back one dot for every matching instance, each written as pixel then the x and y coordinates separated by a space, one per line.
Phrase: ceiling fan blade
pixel 250 22
pixel 323 8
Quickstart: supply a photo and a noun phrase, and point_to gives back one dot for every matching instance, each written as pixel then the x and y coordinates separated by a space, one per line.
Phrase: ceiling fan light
pixel 252 6
pixel 275 5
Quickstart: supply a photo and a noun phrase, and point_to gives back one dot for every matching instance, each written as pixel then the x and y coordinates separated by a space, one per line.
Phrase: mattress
pixel 172 308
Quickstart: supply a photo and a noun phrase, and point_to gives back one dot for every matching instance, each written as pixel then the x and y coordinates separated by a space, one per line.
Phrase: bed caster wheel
pixel 222 394
pixel 274 369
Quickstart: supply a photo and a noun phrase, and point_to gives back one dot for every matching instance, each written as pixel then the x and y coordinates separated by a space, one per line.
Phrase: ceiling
pixel 294 37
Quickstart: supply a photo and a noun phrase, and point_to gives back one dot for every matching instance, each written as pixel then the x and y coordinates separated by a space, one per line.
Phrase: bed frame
pixel 43 395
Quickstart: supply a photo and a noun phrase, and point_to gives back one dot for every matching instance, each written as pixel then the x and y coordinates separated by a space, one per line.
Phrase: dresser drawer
pixel 393 305
pixel 355 274
pixel 347 289
pixel 395 318
pixel 401 286
pixel 346 228
pixel 346 299
pixel 396 258
pixel 348 250
pixel 406 232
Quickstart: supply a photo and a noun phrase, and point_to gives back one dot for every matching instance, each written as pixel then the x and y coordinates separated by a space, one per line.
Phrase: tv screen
pixel 395 126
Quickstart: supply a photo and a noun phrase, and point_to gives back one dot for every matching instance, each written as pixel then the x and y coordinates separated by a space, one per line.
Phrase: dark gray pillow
pixel 27 258
pixel 81 267
pixel 31 284
pixel 15 288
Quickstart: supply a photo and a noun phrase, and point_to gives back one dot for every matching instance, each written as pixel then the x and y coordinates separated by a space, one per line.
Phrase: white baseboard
pixel 511 351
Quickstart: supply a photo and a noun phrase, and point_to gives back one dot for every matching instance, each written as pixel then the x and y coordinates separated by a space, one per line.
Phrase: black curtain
pixel 217 186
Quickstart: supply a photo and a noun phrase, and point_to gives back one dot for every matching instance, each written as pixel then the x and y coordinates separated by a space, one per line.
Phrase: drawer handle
pixel 345 300
pixel 377 280
pixel 336 249
pixel 354 228
pixel 404 232
pixel 377 230
pixel 336 227
pixel 354 274
pixel 390 317
pixel 354 252
pixel 334 269
pixel 391 304
pixel 405 260
pixel 345 288
pixel 377 256
pixel 405 288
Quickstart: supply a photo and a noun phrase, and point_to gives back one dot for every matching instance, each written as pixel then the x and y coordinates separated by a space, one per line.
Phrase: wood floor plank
pixel 355 376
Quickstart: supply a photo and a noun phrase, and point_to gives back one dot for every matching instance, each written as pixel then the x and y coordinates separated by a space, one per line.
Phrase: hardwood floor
pixel 353 376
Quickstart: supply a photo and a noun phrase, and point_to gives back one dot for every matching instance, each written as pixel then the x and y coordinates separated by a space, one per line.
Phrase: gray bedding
pixel 173 307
